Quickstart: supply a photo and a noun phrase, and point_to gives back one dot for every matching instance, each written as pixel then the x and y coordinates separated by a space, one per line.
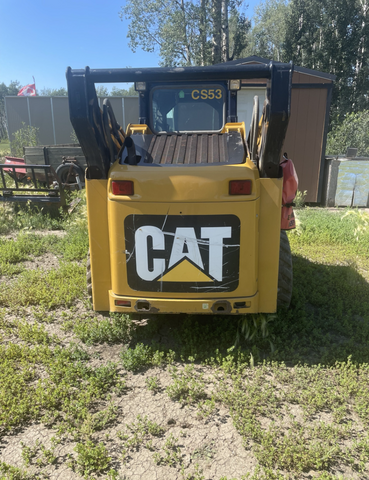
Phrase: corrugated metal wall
pixel 51 116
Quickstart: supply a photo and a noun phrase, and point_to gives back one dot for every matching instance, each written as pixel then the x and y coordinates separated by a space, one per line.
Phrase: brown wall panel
pixel 304 137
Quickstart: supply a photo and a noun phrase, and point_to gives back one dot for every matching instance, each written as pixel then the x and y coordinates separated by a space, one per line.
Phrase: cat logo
pixel 193 253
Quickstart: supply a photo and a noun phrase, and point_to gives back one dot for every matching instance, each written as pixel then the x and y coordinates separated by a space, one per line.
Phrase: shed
pixel 308 126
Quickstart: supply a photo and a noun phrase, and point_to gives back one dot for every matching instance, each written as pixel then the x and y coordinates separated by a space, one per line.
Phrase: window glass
pixel 187 109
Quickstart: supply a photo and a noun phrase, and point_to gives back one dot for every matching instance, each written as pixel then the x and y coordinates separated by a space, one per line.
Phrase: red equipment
pixel 290 185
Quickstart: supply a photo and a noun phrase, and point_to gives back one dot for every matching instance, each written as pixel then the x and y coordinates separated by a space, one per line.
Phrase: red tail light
pixel 240 187
pixel 122 187
pixel 122 303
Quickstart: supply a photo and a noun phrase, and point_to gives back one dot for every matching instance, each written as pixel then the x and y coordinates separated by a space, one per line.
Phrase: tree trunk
pixel 216 36
pixel 225 31
pixel 185 37
pixel 202 29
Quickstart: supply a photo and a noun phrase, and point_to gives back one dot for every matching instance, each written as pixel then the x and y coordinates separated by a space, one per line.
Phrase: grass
pixel 50 289
pixel 295 384
pixel 4 147
pixel 91 330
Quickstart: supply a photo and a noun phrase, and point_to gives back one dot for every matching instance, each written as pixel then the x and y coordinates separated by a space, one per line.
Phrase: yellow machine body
pixel 175 212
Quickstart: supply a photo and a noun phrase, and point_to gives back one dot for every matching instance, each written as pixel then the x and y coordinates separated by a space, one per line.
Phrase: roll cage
pixel 91 123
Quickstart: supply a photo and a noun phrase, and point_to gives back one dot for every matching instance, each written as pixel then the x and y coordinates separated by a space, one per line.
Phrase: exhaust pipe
pixel 131 151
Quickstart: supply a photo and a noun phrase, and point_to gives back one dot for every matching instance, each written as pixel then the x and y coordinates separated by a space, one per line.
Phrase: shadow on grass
pixel 328 321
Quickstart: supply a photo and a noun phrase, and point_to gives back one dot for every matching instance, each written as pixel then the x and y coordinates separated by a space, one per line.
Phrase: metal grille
pixel 190 149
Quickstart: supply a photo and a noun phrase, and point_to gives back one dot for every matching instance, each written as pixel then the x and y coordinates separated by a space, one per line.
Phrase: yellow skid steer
pixel 184 208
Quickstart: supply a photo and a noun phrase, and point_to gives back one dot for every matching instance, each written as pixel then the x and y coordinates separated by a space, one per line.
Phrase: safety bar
pixel 175 74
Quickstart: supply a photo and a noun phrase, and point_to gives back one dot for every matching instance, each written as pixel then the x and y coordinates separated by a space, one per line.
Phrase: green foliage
pixel 13 252
pixel 330 36
pixel 353 131
pixel 91 458
pixel 8 472
pixel 267 37
pixel 92 330
pixel 74 245
pixel 27 136
pixel 188 385
pixel 288 444
pixel 51 288
pixel 362 219
pixel 122 92
pixel 53 92
pixel 11 89
pixel 38 454
pixel 172 453
pixel 28 217
pixel 152 384
pixel 300 199
pixel 322 228
pixel 4 147
pixel 301 410
pixel 134 359
pixel 187 33
pixel 65 395
pixel 141 356
pixel 254 326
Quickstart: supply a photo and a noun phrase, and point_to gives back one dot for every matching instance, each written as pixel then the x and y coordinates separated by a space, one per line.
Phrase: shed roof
pixel 306 71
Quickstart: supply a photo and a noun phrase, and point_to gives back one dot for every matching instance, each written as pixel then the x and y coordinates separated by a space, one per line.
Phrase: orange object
pixel 290 185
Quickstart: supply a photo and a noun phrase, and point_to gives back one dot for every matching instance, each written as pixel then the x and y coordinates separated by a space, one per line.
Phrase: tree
pixel 12 89
pixel 102 91
pixel 187 32
pixel 53 92
pixel 353 132
pixel 332 36
pixel 27 136
pixel 122 92
pixel 267 37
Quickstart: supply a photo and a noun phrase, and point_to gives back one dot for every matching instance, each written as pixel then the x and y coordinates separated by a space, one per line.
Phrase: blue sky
pixel 42 38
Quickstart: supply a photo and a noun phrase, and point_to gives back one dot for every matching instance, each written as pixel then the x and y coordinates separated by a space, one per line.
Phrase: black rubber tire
pixel 71 169
pixel 285 273
pixel 89 277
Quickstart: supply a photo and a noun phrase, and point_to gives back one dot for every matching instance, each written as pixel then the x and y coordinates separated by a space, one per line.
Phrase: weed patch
pixel 49 289
pixel 93 330
pixel 91 458
pixel 188 385
pixel 13 252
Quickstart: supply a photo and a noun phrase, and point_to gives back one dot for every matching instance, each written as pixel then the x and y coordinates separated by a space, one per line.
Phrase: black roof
pixel 306 71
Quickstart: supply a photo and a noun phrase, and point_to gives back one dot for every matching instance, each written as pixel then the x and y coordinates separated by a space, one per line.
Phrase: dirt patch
pixel 45 262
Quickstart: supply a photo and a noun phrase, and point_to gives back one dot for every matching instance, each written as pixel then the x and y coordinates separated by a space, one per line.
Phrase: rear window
pixel 187 109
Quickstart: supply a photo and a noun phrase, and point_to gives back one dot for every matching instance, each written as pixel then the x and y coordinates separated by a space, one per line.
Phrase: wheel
pixel 285 273
pixel 67 172
pixel 89 277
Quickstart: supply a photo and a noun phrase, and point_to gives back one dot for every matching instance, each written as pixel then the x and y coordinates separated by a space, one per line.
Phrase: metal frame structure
pixel 87 120
pixel 41 194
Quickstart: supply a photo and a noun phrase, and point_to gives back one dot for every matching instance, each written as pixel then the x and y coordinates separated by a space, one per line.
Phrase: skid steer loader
pixel 184 208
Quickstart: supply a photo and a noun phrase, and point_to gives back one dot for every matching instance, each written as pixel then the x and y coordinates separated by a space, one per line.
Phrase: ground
pixel 91 395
